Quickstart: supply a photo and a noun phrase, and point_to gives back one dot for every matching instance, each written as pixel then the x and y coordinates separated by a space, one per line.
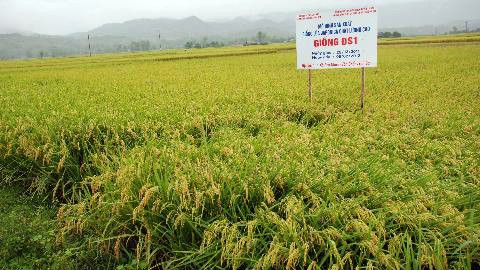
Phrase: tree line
pixel 395 34
pixel 261 38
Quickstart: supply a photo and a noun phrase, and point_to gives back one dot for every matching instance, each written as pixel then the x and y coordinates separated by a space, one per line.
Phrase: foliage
pixel 395 34
pixel 215 159
pixel 27 236
pixel 142 45
pixel 26 232
pixel 261 37
pixel 197 45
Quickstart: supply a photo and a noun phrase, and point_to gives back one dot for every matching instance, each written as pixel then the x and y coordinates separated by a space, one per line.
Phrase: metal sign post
pixel 363 88
pixel 310 94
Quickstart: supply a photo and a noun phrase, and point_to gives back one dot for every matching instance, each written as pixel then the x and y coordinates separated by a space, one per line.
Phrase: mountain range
pixel 174 33
pixel 192 28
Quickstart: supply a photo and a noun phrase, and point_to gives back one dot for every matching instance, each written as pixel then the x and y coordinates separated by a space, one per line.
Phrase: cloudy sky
pixel 68 16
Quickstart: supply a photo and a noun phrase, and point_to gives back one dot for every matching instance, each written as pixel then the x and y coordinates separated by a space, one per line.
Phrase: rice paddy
pixel 215 158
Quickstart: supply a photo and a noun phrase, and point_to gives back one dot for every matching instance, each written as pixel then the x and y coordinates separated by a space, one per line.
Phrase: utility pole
pixel 466 26
pixel 160 40
pixel 89 47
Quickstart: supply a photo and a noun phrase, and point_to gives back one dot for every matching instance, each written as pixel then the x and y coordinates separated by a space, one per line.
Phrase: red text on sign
pixel 329 42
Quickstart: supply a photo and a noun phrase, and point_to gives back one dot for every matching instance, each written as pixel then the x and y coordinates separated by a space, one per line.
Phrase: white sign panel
pixel 343 38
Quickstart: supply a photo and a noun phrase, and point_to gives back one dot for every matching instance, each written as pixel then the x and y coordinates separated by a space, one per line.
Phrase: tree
pixel 214 44
pixel 134 46
pixel 145 45
pixel 142 45
pixel 396 34
pixel 385 35
pixel 204 42
pixel 261 37
pixel 189 45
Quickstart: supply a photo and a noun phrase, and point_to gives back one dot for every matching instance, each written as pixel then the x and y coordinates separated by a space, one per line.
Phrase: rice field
pixel 216 159
pixel 441 39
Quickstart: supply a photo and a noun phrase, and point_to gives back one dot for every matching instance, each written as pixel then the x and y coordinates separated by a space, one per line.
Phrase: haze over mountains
pixel 421 18
pixel 193 28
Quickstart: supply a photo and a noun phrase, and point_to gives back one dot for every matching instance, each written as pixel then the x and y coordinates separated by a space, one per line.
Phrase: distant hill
pixel 37 46
pixel 192 28
pixel 473 25
pixel 115 37
pixel 275 24
pixel 423 18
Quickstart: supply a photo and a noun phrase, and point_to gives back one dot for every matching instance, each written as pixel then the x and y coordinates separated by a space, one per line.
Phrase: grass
pixel 27 233
pixel 201 162
pixel 27 236
pixel 26 230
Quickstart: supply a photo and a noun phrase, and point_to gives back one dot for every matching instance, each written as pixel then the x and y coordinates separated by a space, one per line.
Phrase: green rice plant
pixel 216 158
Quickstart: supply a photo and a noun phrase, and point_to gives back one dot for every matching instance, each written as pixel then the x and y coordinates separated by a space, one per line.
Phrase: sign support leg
pixel 363 88
pixel 310 95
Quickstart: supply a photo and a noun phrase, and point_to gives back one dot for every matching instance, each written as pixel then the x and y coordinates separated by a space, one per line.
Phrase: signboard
pixel 342 38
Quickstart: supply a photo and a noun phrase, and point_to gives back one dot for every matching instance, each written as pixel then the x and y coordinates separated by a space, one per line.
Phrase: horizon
pixel 12 17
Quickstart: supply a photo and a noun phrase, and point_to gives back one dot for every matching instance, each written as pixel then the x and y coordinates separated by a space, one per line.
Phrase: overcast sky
pixel 68 16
